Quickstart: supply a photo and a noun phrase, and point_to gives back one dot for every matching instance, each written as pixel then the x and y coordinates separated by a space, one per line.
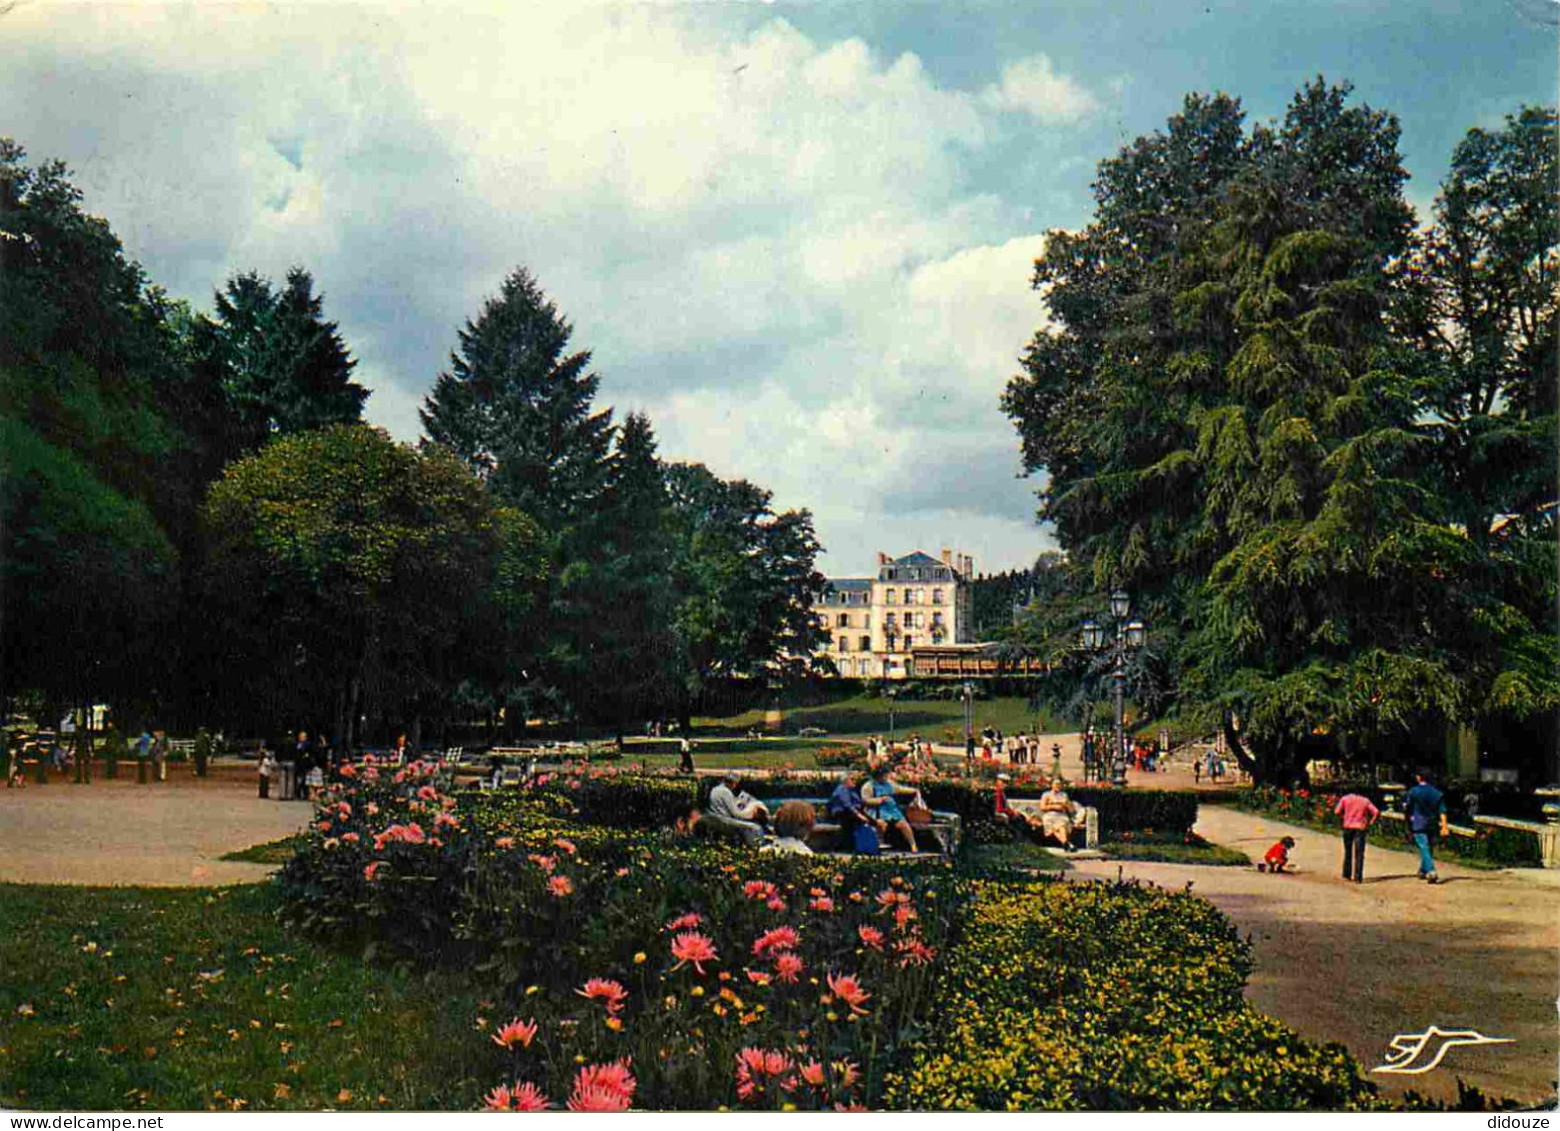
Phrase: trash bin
pixel 286 781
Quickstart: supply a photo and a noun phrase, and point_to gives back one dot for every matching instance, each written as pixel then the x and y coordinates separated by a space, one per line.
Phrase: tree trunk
pixel 1232 739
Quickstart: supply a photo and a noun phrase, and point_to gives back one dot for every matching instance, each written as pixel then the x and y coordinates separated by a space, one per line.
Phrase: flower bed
pixel 1108 997
pixel 1490 846
pixel 631 968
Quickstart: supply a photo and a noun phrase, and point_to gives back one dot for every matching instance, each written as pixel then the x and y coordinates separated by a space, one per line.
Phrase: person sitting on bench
pixel 881 796
pixel 738 812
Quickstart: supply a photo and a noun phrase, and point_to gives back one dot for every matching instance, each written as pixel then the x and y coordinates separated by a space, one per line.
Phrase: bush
pixel 1491 844
pixel 632 946
pixel 1108 997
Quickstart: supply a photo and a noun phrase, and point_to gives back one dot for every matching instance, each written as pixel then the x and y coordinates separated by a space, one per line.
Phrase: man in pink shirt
pixel 1358 816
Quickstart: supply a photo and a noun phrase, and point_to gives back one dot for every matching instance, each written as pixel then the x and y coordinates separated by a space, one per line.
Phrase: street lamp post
pixel 969 729
pixel 1128 635
pixel 890 693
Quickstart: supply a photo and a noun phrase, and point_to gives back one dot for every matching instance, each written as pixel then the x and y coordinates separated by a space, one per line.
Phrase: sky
pixel 799 236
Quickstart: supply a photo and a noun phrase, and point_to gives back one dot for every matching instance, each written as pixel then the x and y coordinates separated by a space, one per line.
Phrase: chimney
pixel 882 558
pixel 947 556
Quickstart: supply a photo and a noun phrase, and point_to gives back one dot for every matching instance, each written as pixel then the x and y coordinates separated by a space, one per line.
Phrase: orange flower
pixel 560 886
pixel 522 1097
pixel 788 967
pixel 517 1032
pixel 603 1087
pixel 691 946
pixel 370 871
pixel 812 1073
pixel 914 952
pixel 781 938
pixel 528 1097
pixel 758 1068
pixel 683 922
pixel 870 936
pixel 848 990
pixel 610 993
pixel 758 889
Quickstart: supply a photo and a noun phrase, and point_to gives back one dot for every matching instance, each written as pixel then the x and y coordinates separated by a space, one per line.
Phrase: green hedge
pixel 1491 846
pixel 649 801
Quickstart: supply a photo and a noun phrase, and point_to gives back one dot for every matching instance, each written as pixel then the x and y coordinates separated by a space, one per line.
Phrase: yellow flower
pixel 639 958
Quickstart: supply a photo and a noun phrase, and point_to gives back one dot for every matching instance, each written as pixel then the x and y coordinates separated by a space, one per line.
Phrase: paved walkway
pixel 1361 963
pixel 120 833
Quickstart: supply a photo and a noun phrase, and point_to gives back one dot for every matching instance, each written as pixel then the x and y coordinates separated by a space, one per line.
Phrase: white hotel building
pixel 914 601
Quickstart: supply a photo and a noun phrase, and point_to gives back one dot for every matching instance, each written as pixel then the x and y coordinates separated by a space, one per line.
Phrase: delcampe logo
pixel 1408 1049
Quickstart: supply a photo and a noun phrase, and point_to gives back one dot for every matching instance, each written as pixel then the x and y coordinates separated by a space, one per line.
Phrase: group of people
pixel 1214 765
pixel 1424 809
pixel 872 809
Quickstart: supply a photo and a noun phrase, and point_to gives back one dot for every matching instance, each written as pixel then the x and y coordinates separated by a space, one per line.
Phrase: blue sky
pixel 797 235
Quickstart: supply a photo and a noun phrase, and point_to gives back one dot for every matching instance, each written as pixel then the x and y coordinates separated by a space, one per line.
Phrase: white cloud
pixel 777 246
pixel 1033 86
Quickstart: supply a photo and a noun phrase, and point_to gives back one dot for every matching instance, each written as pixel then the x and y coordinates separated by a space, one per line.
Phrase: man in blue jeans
pixel 1425 808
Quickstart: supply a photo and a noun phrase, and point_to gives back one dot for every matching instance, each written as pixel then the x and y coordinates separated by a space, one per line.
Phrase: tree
pixel 744 583
pixel 519 412
pixel 624 633
pixel 93 487
pixel 1480 307
pixel 349 571
pixel 281 366
pixel 1227 424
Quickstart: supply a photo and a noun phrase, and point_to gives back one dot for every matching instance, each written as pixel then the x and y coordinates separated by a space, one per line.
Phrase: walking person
pixel 685 755
pixel 266 769
pixel 160 751
pixel 1426 809
pixel 1358 814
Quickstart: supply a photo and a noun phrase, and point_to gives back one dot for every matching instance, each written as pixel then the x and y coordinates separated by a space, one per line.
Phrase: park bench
pixel 828 835
pixel 1090 824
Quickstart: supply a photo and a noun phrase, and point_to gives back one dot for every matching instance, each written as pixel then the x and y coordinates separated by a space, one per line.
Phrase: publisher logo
pixel 1414 1053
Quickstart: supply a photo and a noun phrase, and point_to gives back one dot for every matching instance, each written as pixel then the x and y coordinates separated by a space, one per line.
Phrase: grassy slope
pixel 116 998
pixel 868 714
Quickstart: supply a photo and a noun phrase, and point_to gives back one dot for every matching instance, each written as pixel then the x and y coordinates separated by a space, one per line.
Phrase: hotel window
pixel 911 595
pixel 888 596
pixel 846 667
pixel 844 620
pixel 937 620
pixel 892 641
pixel 844 644
pixel 909 643
pixel 890 623
pixel 866 644
pixel 936 596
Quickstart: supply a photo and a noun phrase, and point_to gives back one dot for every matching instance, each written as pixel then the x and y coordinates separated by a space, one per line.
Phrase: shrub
pixel 1490 844
pixel 632 947
pixel 1114 997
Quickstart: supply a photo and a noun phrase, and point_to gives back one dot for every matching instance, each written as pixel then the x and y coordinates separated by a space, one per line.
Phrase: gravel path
pixel 119 833
pixel 1361 963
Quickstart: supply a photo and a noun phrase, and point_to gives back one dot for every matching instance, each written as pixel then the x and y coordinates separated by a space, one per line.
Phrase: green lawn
pixel 117 998
pixel 941 720
pixel 759 753
pixel 1023 855
pixel 1175 851
pixel 271 852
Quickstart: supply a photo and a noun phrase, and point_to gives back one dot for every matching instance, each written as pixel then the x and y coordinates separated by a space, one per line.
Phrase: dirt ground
pixel 1362 963
pixel 167 834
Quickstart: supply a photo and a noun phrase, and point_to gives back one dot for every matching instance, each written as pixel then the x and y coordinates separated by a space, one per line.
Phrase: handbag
pixel 919 816
pixel 864 839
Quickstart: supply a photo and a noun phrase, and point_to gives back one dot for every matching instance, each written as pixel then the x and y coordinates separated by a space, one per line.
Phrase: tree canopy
pixel 1252 408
